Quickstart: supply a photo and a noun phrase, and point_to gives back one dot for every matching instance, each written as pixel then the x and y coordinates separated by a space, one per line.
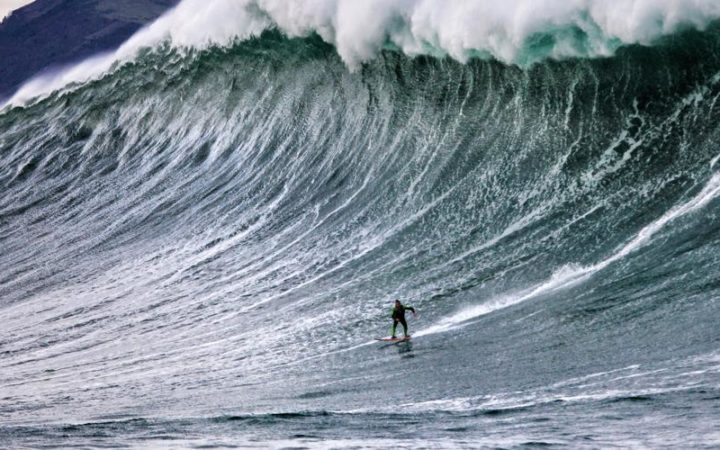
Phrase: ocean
pixel 202 233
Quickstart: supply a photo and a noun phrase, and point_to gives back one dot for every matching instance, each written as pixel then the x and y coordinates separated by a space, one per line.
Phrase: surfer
pixel 398 315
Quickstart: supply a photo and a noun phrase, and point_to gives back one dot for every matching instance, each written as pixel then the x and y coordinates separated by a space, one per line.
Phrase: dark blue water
pixel 47 34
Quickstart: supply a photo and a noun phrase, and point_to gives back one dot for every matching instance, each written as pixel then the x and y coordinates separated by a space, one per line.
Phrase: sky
pixel 7 6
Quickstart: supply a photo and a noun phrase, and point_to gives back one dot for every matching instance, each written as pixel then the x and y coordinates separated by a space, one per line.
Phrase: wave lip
pixel 520 32
pixel 515 32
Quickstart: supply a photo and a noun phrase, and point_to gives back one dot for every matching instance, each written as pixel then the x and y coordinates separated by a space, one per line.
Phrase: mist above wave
pixel 514 31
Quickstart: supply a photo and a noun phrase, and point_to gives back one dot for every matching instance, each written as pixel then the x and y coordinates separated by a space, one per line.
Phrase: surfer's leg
pixel 395 322
pixel 404 324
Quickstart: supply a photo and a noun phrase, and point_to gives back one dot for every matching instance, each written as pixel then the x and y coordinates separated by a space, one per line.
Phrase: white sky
pixel 6 6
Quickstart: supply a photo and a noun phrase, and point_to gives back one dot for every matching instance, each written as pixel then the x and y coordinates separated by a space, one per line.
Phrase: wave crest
pixel 514 31
pixel 520 32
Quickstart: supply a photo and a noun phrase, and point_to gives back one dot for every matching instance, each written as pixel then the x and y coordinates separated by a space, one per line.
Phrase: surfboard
pixel 388 339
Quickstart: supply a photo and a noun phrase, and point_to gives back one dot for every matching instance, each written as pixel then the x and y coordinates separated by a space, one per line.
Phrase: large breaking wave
pixel 198 222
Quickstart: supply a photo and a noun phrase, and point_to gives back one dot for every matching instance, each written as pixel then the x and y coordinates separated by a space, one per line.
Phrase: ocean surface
pixel 202 233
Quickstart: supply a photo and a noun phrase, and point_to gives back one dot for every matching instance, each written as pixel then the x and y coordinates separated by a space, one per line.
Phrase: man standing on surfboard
pixel 398 315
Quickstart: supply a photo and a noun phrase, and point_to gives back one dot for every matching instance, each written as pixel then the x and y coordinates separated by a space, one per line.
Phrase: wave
pixel 521 32
pixel 197 226
pixel 475 180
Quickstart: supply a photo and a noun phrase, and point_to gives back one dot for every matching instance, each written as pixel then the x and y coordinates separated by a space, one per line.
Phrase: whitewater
pixel 202 231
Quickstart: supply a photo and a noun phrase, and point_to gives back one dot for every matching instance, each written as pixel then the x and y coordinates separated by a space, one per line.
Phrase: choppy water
pixel 197 248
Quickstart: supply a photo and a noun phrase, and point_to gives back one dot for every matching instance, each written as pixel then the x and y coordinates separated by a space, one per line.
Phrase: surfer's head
pixel 397 302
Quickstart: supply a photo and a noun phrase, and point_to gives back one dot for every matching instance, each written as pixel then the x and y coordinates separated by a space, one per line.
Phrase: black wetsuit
pixel 398 315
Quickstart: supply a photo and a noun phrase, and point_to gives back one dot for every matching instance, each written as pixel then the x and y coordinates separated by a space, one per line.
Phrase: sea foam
pixel 521 32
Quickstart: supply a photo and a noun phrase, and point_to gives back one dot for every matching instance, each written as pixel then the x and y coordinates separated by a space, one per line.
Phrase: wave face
pixel 200 244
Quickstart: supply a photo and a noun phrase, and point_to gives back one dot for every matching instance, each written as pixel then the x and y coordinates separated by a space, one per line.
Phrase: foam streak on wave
pixel 571 275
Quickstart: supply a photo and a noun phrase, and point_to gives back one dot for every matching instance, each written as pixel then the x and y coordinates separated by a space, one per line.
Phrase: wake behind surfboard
pixel 389 339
